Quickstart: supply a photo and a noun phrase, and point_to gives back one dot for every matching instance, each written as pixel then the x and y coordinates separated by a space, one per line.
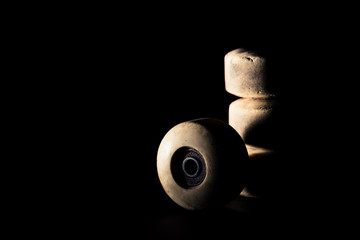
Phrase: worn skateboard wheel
pixel 260 172
pixel 246 74
pixel 202 163
pixel 257 121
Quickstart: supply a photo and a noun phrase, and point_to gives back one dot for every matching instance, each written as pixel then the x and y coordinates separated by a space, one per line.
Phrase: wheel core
pixel 188 167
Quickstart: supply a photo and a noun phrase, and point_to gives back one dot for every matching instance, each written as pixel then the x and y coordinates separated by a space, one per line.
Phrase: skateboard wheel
pixel 202 163
pixel 257 121
pixel 246 74
pixel 260 171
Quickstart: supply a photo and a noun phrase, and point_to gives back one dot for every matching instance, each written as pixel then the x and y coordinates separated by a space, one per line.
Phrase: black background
pixel 107 84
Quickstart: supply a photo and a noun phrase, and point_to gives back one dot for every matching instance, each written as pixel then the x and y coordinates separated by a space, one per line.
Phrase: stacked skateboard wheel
pixel 255 115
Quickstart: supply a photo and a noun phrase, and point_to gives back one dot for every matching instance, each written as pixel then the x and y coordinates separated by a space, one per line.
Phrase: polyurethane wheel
pixel 257 121
pixel 259 181
pixel 246 74
pixel 202 163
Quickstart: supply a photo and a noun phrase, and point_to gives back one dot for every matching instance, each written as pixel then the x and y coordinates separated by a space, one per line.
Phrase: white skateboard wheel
pixel 258 180
pixel 257 121
pixel 202 163
pixel 246 74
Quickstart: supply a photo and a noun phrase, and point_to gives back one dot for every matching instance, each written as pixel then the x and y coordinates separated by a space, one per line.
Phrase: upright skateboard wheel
pixel 202 163
pixel 257 121
pixel 260 171
pixel 246 74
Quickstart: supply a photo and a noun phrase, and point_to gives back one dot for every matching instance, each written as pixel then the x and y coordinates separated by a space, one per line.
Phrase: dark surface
pixel 105 94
